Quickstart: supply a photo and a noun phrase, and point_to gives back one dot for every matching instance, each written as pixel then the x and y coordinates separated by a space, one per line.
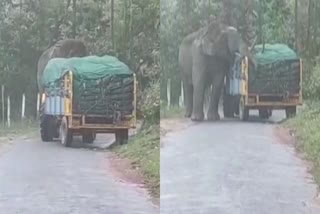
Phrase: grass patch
pixel 306 126
pixel 144 150
pixel 19 128
pixel 172 112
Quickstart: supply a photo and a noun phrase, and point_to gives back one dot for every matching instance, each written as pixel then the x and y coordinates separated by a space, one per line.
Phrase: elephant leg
pixel 188 98
pixel 199 77
pixel 198 96
pixel 217 84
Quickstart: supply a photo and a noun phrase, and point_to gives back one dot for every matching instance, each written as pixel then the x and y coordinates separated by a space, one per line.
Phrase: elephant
pixel 64 48
pixel 205 57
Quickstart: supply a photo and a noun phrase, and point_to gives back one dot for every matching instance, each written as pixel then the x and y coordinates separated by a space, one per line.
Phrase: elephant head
pixel 69 48
pixel 65 48
pixel 223 41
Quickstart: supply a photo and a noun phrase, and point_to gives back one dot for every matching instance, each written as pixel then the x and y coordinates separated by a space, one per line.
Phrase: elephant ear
pixel 207 46
pixel 53 53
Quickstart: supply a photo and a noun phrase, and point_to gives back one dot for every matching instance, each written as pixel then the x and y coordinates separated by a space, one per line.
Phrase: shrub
pixel 150 103
pixel 311 83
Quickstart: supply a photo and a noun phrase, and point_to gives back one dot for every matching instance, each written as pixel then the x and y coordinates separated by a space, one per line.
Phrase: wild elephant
pixel 205 57
pixel 65 48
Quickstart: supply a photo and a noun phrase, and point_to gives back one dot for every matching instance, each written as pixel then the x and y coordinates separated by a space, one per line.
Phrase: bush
pixel 311 83
pixel 150 103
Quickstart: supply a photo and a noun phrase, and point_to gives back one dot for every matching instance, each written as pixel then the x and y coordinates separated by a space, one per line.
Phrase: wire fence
pixel 18 108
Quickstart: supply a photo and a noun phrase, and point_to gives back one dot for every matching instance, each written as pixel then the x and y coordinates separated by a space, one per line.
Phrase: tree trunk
pixel 227 8
pixel 81 12
pixel 261 11
pixel 309 25
pixel 175 90
pixel 130 33
pixel 163 88
pixel 296 24
pixel 74 25
pixel 112 23
pixel 188 16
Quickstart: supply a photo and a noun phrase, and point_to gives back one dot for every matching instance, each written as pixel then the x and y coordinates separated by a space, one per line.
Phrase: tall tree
pixel 296 23
pixel 74 24
pixel 309 25
pixel 112 23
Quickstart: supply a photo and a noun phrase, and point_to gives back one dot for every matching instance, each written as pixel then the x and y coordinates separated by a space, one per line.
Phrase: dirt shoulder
pixel 173 124
pixel 302 132
pixel 138 162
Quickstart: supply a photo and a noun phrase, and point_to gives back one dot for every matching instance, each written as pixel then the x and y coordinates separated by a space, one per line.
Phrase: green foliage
pixel 144 150
pixel 278 23
pixel 306 128
pixel 28 29
pixel 273 20
pixel 311 83
pixel 150 103
pixel 171 112
pixel 179 18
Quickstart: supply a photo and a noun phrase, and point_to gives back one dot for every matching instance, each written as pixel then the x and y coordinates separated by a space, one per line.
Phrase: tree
pixel 38 24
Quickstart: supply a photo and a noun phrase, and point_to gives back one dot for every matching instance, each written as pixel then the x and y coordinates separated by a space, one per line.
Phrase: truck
pixel 87 96
pixel 274 82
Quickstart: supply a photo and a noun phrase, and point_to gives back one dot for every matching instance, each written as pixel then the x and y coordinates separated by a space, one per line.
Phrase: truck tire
pixel 291 111
pixel 264 114
pixel 45 131
pixel 122 136
pixel 65 133
pixel 88 137
pixel 228 106
pixel 243 110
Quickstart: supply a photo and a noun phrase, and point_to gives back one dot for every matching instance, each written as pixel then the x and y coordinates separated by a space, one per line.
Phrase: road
pixel 38 178
pixel 233 167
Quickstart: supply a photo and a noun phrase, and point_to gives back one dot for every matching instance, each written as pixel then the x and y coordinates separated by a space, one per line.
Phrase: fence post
pixel 2 100
pixel 38 105
pixel 181 98
pixel 8 113
pixel 169 93
pixel 23 107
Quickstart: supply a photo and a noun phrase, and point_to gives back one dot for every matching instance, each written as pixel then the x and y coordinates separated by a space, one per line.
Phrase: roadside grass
pixel 143 150
pixel 306 128
pixel 171 112
pixel 26 127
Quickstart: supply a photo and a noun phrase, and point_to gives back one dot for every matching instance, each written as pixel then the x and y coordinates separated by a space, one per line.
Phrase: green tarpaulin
pixel 101 85
pixel 278 70
pixel 84 68
pixel 273 53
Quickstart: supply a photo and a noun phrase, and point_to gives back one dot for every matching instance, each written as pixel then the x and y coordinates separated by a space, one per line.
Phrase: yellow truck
pixel 275 83
pixel 87 96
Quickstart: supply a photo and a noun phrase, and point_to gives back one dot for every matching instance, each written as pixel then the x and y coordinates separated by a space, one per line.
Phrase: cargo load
pixel 101 85
pixel 278 70
pixel 273 83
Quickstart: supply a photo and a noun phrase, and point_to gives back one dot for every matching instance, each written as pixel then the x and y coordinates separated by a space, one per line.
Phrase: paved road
pixel 231 167
pixel 46 178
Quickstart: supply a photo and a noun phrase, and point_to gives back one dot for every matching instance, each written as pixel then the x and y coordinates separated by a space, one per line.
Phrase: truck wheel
pixel 45 132
pixel 264 113
pixel 291 111
pixel 88 137
pixel 65 133
pixel 228 106
pixel 122 136
pixel 243 110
